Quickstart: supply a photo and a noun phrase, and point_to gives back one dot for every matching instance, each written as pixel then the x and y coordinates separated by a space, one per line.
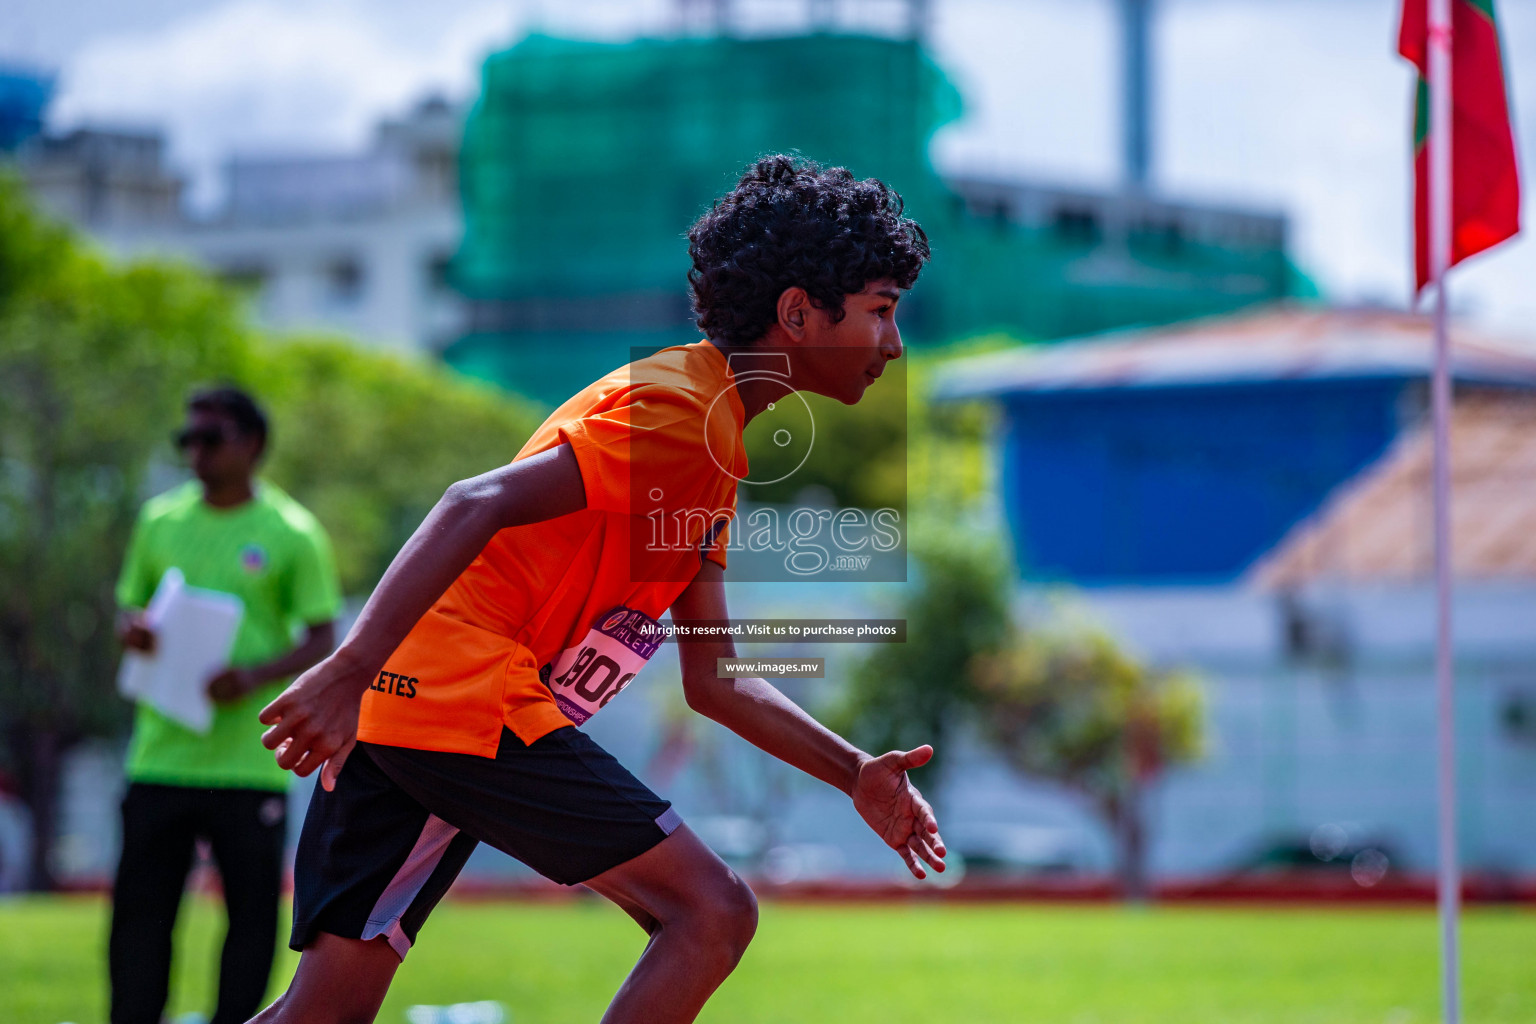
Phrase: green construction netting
pixel 584 163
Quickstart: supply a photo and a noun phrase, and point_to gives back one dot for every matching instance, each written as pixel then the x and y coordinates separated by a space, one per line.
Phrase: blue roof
pixel 1182 455
pixel 1287 343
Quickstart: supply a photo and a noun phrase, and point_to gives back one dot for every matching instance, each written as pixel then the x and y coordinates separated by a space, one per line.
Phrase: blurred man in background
pixel 228 532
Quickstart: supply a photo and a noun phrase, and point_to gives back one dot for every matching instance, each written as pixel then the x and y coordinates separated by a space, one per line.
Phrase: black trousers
pixel 161 826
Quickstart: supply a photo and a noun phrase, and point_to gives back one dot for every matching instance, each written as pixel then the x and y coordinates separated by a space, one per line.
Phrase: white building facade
pixel 359 244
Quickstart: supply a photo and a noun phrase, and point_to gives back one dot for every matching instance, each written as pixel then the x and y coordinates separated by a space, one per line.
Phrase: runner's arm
pixel 458 528
pixel 316 717
pixel 756 711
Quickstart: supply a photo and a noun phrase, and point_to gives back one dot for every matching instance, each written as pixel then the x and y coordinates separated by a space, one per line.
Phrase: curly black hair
pixel 791 222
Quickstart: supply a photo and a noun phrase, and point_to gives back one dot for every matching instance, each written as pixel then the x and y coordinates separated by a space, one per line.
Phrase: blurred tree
pixel 948 470
pixel 369 442
pixel 956 605
pixel 895 442
pixel 858 455
pixel 907 694
pixel 94 363
pixel 1066 703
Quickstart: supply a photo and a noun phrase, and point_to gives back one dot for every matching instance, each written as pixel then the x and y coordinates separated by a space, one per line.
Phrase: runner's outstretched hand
pixel 893 807
pixel 314 721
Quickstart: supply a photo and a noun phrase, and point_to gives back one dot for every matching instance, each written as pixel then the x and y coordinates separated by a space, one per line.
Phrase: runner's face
pixel 842 358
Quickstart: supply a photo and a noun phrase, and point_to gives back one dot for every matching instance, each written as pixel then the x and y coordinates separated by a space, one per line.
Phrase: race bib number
pixel 586 677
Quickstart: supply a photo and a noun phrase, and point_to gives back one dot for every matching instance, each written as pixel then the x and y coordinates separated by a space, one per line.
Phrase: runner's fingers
pixel 287 728
pixel 919 845
pixel 321 747
pixel 273 737
pixel 922 811
pixel 289 755
pixel 307 764
pixel 273 712
pixel 928 826
pixel 912 863
pixel 937 842
pixel 922 846
pixel 916 757
pixel 300 748
pixel 332 768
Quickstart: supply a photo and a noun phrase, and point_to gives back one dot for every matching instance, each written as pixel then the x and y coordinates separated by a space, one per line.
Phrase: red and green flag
pixel 1485 204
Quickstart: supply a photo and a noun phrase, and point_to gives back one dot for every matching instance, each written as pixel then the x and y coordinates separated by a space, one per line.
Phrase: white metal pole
pixel 1449 880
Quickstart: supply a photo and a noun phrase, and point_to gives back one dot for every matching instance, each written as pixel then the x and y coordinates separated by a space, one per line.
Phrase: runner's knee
pixel 727 920
pixel 743 918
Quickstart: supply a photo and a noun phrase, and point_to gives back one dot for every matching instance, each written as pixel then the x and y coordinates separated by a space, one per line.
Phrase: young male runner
pixel 523 603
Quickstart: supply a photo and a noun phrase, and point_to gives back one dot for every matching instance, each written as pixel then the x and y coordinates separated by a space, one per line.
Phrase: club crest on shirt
pixel 253 558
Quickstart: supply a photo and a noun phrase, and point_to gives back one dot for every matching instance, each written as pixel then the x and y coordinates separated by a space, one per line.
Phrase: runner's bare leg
pixel 704 918
pixel 339 981
pixel 699 914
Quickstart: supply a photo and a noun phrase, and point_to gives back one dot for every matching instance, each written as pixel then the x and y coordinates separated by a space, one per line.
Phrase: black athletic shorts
pixel 382 848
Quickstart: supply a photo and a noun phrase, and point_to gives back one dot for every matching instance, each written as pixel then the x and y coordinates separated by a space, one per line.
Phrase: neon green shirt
pixel 272 554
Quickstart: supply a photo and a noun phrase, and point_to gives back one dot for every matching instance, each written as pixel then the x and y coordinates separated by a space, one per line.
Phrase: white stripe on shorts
pixel 396 899
pixel 669 820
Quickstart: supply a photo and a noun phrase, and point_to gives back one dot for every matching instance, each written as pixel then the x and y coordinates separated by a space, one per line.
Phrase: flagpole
pixel 1449 880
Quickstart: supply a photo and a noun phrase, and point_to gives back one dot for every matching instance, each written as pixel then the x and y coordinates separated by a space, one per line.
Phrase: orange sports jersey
pixel 553 619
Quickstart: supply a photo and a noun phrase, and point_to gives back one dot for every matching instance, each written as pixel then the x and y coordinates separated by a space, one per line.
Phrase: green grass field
pixel 877 963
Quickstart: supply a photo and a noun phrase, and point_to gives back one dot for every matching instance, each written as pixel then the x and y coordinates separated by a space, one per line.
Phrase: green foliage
pixel 1063 701
pixel 93 366
pixel 96 361
pixel 1068 703
pixel 907 694
pixel 895 445
pixel 859 455
pixel 369 442
pixel 957 603
pixel 948 471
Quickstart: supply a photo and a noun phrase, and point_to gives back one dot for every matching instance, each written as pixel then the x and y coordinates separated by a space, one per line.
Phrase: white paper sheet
pixel 194 631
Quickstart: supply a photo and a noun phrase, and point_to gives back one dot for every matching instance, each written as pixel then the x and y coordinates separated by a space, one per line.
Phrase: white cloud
pixel 1306 106
pixel 1302 107
pixel 262 75
pixel 1040 90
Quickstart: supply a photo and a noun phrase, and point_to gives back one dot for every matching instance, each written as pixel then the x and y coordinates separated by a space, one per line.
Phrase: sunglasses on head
pixel 206 437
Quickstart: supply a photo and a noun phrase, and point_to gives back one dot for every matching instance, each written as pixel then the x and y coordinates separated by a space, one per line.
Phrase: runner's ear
pixel 793 306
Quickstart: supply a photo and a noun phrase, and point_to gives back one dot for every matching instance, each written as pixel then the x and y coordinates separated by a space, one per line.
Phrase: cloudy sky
pixel 1293 105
